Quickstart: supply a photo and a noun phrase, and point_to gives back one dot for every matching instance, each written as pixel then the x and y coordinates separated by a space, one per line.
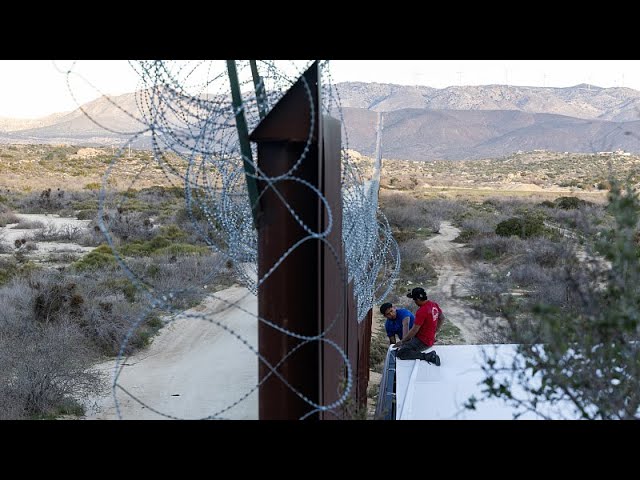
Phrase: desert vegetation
pixel 413 220
pixel 527 225
pixel 576 329
pixel 514 247
pixel 584 174
pixel 66 309
pixel 556 268
pixel 37 168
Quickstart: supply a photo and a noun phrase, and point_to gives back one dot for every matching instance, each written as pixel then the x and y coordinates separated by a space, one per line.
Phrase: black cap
pixel 417 293
pixel 384 307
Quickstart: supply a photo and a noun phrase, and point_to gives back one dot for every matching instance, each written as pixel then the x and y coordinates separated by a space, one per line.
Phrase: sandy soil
pixel 449 260
pixel 10 234
pixel 193 368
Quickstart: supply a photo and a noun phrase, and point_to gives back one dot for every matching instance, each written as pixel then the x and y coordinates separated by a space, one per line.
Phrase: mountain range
pixel 420 123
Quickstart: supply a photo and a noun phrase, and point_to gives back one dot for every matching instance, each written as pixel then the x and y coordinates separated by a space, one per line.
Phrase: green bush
pixel 172 232
pixel 10 268
pixel 404 235
pixel 161 245
pixel 465 236
pixel 146 331
pixel 141 248
pixel 180 249
pixel 569 203
pixel 100 257
pixel 88 204
pixel 523 227
pixel 123 285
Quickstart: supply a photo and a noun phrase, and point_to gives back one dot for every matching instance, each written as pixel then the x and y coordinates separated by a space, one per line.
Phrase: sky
pixel 36 88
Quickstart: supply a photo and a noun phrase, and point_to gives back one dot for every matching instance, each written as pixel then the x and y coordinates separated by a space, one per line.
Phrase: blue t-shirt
pixel 394 327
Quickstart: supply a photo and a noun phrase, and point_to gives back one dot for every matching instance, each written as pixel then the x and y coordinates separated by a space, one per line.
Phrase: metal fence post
pixel 289 297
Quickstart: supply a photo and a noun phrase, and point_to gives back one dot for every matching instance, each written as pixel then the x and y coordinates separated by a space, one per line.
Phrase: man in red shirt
pixel 429 319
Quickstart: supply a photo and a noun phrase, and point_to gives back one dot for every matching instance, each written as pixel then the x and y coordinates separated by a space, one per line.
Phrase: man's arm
pixel 440 321
pixel 405 326
pixel 392 339
pixel 410 334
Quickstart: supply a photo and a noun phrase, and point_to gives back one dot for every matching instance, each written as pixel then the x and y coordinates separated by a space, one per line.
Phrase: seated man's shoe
pixel 431 357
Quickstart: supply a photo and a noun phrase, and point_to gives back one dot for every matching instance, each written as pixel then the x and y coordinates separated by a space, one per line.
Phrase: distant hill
pixel 13 124
pixel 581 101
pixel 422 134
pixel 420 123
pixel 110 112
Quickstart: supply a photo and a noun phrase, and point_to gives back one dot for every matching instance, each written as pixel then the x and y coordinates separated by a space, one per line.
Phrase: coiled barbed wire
pixel 184 111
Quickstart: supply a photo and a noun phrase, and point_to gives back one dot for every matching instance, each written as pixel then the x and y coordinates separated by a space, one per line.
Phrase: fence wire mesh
pixel 186 119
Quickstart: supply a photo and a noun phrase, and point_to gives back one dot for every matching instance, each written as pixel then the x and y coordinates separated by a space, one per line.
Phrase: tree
pixel 584 353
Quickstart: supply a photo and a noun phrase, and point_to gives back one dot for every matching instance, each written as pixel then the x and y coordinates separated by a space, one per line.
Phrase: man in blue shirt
pixel 399 321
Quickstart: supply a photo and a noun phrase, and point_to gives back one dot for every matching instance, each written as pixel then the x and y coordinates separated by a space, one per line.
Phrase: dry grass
pixel 525 172
pixel 26 168
pixel 537 175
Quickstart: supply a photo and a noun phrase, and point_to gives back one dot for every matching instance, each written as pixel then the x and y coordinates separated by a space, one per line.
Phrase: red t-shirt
pixel 427 317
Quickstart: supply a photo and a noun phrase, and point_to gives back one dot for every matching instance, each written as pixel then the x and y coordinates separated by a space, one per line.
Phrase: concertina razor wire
pixel 186 117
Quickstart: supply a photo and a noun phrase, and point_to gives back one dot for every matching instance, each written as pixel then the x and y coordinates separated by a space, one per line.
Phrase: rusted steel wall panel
pixel 307 292
pixel 289 296
pixel 334 268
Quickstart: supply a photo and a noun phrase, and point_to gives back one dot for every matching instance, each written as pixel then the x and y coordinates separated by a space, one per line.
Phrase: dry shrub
pixel 45 359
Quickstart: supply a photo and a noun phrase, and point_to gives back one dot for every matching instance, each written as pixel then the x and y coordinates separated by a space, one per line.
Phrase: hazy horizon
pixel 31 89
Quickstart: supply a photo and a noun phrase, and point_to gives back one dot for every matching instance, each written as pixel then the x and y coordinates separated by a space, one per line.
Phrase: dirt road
pixel 193 368
pixel 448 259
